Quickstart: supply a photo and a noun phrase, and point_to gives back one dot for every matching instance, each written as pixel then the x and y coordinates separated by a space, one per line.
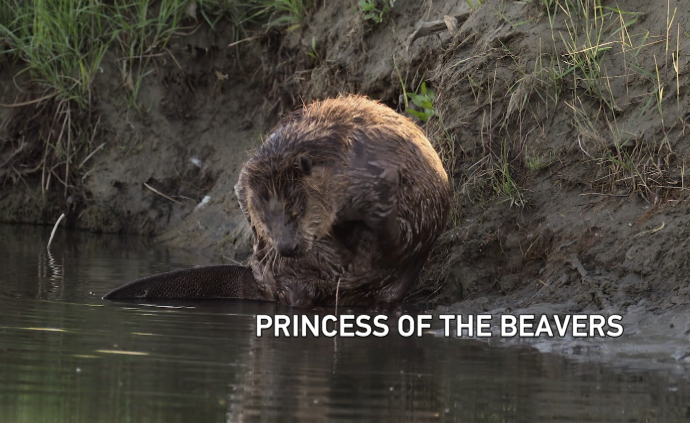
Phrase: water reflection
pixel 67 356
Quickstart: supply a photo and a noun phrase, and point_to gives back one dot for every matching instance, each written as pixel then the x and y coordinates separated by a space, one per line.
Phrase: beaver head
pixel 291 187
pixel 285 203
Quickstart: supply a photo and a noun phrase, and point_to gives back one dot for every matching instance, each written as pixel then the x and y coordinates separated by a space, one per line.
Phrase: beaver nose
pixel 287 248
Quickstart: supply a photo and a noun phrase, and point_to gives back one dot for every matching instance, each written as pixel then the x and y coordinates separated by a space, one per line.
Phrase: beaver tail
pixel 225 281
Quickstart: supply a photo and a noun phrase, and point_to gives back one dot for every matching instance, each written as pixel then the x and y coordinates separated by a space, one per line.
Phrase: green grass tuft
pixel 288 14
pixel 375 10
pixel 60 42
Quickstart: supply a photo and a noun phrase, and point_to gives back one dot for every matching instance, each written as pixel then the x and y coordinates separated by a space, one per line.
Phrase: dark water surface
pixel 68 356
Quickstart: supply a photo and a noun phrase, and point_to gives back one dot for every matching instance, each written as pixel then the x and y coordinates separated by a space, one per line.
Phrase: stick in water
pixel 337 288
pixel 52 234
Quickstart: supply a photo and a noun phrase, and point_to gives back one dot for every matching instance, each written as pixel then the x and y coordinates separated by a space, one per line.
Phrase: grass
pixel 314 52
pixel 437 132
pixel 62 42
pixel 628 162
pixel 637 166
pixel 585 51
pixel 474 4
pixel 287 14
pixel 641 169
pixel 7 14
pixel 603 73
pixel 375 10
pixel 540 162
pixel 422 99
pixel 502 180
pixel 61 45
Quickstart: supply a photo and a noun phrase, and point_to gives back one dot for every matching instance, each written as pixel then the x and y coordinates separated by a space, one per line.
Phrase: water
pixel 68 356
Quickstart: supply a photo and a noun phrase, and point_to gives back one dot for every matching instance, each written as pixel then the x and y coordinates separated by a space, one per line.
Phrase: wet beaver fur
pixel 346 196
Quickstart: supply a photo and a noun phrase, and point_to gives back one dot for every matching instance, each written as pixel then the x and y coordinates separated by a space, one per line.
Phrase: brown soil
pixel 599 221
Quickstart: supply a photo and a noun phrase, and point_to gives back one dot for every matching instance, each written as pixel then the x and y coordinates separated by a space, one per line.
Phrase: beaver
pixel 345 199
pixel 344 195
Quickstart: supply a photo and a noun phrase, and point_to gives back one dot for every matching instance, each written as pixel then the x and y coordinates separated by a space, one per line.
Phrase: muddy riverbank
pixel 562 123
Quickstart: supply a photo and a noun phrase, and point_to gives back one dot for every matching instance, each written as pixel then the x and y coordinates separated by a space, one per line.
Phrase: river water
pixel 68 356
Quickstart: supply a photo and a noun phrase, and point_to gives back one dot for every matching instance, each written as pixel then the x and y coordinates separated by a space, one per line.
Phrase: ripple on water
pixel 68 356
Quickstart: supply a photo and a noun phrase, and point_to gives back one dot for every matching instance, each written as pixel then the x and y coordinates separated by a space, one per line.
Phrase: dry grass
pixel 599 61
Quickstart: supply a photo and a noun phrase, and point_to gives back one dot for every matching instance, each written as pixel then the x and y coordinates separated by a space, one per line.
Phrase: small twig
pixel 428 297
pixel 651 231
pixel 337 291
pixel 86 174
pixel 52 172
pixel 424 29
pixel 17 151
pixel 187 34
pixel 52 234
pixel 605 195
pixel 579 142
pixel 62 131
pixel 231 260
pixel 546 285
pixel 19 175
pixel 174 60
pixel 95 129
pixel 243 40
pixel 91 155
pixel 69 142
pixel 599 296
pixel 147 56
pixel 160 193
pixel 26 103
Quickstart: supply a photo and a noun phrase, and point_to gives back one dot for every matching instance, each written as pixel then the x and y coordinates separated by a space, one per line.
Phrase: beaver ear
pixel 305 164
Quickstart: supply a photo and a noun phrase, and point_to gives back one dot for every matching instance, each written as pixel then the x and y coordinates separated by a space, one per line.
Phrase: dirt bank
pixel 562 122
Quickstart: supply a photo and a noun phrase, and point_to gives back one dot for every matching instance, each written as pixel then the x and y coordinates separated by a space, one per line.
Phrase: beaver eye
pixel 296 213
